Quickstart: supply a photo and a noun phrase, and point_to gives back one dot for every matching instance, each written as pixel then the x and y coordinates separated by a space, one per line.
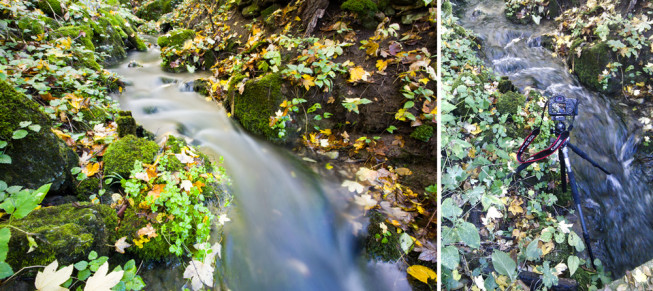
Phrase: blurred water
pixel 286 230
pixel 620 206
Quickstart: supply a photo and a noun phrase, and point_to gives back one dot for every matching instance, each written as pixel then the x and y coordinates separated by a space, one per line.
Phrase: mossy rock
pixel 108 39
pixel 129 36
pixel 87 188
pixel 155 9
pixel 65 233
pixel 268 11
pixel 126 124
pixel 121 155
pixel 423 132
pixel 175 38
pixel 258 102
pixel 30 26
pixel 201 86
pixel 40 157
pixel 74 32
pixel 360 7
pixel 510 102
pixel 93 115
pixel 157 248
pixel 251 11
pixel 506 85
pixel 591 63
pixel 376 248
pixel 51 8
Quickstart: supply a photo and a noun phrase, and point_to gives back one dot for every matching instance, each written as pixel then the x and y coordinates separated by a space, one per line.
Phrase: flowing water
pixel 286 230
pixel 619 206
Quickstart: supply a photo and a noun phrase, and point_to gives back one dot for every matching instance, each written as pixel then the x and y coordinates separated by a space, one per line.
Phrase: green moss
pixel 591 64
pixel 50 7
pixel 126 124
pixel 360 7
pixel 65 233
pixel 30 26
pixel 175 38
pixel 376 248
pixel 175 144
pixel 121 155
pixel 257 103
pixel 201 86
pixel 423 132
pixel 39 158
pixel 87 188
pixel 447 8
pixel 268 11
pixel 74 33
pixel 108 39
pixel 156 248
pixel 251 11
pixel 505 85
pixel 510 102
pixel 93 115
pixel 154 9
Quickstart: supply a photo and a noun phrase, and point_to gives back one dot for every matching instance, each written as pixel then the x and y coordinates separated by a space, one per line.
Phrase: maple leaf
pixel 200 274
pixel 366 201
pixel 142 176
pixel 100 281
pixel 121 245
pixel 183 158
pixel 381 65
pixel 353 186
pixel 365 174
pixel 564 227
pixel 358 74
pixel 515 207
pixel 186 185
pixel 148 231
pixel 50 278
pixel 371 47
pixel 492 213
pixel 91 169
pixel 222 218
pixel 308 81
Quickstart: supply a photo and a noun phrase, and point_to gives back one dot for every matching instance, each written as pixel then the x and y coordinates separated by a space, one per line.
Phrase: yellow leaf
pixel 422 273
pixel 472 152
pixel 515 207
pixel 328 166
pixel 404 171
pixel 381 65
pixel 357 74
pixel 547 248
pixel 477 130
pixel 308 81
pixel 91 169
pixel 371 48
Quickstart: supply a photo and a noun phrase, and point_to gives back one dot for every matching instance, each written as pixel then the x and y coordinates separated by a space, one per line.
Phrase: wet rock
pixel 260 98
pixel 126 124
pixel 251 11
pixel 38 158
pixel 65 233
pixel 134 64
pixel 591 63
pixel 121 155
pixel 505 85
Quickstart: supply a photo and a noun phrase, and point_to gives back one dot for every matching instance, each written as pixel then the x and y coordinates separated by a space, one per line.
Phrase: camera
pixel 561 106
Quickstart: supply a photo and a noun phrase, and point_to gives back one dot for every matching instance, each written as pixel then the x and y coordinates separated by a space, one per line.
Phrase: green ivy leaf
pixel 5 159
pixel 24 124
pixel 533 253
pixel 575 241
pixel 92 255
pixel 18 134
pixel 81 265
pixel 450 210
pixel 450 257
pixel 406 242
pixel 5 270
pixel 5 235
pixel 469 235
pixel 35 127
pixel 573 262
pixel 504 264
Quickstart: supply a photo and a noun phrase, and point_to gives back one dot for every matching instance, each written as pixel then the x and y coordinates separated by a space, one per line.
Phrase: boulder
pixel 121 155
pixel 40 157
pixel 590 64
pixel 66 233
pixel 260 98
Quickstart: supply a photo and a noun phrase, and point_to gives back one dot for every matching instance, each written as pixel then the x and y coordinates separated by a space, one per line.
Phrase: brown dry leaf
pixel 148 231
pixel 403 171
pixel 156 190
pixel 121 245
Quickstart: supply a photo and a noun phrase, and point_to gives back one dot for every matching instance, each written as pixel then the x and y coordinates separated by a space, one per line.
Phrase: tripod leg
pixel 574 193
pixel 586 157
pixel 563 171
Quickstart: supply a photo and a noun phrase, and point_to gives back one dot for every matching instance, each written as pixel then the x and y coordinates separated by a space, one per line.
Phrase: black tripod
pixel 562 143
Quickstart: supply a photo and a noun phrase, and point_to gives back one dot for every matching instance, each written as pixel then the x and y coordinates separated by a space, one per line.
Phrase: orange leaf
pixel 91 169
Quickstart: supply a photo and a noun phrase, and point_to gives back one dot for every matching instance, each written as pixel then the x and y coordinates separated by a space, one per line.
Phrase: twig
pixel 14 275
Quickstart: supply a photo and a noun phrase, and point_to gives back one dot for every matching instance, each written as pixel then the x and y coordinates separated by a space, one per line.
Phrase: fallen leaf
pixel 515 206
pixel 50 278
pixel 366 201
pixel 422 273
pixel 365 174
pixel 200 274
pixel 186 185
pixel 403 171
pixel 222 218
pixel 91 169
pixel 183 158
pixel 564 227
pixel 428 252
pixel 148 231
pixel 353 186
pixel 100 281
pixel 121 245
pixel 358 74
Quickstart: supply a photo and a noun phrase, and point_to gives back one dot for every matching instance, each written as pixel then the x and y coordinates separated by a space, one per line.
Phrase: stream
pixel 619 207
pixel 288 229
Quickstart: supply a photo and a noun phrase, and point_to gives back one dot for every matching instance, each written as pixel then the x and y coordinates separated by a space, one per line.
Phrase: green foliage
pixel 176 199
pixel 511 103
pixel 361 7
pixel 175 38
